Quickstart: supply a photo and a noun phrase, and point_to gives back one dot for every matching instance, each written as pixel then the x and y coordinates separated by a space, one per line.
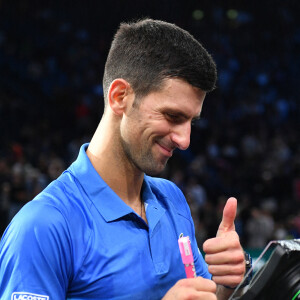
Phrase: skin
pixel 160 124
pixel 137 138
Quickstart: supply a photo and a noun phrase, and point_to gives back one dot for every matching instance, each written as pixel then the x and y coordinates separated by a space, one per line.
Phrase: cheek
pixel 137 128
pixel 154 130
pixel 162 128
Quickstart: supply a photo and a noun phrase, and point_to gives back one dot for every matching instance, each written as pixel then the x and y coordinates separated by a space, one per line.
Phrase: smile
pixel 165 151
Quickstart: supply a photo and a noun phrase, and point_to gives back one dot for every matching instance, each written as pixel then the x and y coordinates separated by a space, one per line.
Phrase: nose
pixel 181 134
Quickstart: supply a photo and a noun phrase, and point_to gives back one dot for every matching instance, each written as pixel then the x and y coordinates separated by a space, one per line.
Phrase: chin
pixel 155 171
pixel 151 165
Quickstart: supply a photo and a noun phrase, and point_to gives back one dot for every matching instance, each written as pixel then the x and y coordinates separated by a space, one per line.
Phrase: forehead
pixel 178 96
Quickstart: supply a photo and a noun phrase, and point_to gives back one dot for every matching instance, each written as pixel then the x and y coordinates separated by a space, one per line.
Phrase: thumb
pixel 229 214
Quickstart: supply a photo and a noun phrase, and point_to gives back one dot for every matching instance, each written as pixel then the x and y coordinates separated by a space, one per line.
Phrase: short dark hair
pixel 146 52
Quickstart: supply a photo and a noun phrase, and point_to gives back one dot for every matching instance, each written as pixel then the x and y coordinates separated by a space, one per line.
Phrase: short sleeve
pixel 35 253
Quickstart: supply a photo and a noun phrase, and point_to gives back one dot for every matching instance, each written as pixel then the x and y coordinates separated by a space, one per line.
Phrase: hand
pixel 224 254
pixel 192 289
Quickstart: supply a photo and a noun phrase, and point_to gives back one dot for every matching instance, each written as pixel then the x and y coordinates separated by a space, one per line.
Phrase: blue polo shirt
pixel 78 240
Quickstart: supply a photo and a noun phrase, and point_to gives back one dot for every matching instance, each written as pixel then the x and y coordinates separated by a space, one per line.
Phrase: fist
pixel 224 253
pixel 192 289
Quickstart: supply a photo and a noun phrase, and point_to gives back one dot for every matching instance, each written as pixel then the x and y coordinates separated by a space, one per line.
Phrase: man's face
pixel 160 123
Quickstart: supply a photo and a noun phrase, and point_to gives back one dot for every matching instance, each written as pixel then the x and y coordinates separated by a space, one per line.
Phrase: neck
pixel 113 166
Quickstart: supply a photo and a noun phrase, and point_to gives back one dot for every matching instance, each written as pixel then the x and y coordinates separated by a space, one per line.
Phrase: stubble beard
pixel 143 159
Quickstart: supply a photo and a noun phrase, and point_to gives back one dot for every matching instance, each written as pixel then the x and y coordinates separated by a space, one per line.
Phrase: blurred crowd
pixel 245 145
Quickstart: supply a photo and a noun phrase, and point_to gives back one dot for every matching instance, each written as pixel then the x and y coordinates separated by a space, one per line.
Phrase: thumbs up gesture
pixel 224 253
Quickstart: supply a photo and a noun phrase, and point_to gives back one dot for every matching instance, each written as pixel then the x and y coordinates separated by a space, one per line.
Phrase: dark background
pixel 52 55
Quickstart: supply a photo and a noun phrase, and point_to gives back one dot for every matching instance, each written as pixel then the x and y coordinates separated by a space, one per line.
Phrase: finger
pixel 228 257
pixel 185 289
pixel 227 269
pixel 206 296
pixel 198 283
pixel 229 214
pixel 195 295
pixel 229 240
pixel 228 280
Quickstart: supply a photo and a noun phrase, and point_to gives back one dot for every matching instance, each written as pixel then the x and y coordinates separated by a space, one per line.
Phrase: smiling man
pixel 150 131
pixel 107 229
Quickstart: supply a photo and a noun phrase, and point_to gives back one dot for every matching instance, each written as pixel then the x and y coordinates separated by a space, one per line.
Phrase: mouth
pixel 165 150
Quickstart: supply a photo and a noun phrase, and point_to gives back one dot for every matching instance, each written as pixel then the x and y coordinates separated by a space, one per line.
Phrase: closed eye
pixel 174 118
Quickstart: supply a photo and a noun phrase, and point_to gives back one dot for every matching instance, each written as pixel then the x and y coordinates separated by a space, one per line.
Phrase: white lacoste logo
pixel 28 296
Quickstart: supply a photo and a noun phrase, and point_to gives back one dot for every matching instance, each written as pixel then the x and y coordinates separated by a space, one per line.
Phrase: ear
pixel 120 94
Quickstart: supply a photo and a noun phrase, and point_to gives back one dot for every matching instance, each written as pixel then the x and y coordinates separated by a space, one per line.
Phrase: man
pixel 106 230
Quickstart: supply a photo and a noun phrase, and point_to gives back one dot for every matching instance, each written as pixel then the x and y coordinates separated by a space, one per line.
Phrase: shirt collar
pixel 107 202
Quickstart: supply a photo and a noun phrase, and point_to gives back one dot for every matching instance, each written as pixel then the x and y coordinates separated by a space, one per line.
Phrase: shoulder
pixel 65 195
pixel 49 214
pixel 39 234
pixel 36 220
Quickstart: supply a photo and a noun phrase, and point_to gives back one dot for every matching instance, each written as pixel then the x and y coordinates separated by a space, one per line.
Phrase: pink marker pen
pixel 187 256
